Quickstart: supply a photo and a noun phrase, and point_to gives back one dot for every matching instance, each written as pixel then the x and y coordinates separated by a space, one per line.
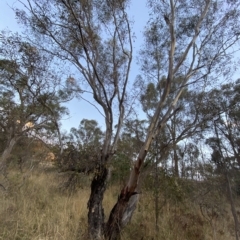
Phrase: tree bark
pixel 6 153
pixel 95 208
pixel 156 197
pixel 121 214
pixel 175 156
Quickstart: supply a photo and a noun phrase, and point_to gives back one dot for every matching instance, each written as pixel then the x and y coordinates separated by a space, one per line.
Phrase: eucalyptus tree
pixel 186 122
pixel 224 136
pixel 131 140
pixel 191 39
pixel 222 104
pixel 82 147
pixel 95 36
pixel 225 168
pixel 30 97
pixel 88 133
pixel 225 101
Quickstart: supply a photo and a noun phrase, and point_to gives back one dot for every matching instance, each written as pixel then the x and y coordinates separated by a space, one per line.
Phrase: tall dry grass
pixel 34 208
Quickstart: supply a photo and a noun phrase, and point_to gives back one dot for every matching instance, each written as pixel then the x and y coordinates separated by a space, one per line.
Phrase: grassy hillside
pixel 36 207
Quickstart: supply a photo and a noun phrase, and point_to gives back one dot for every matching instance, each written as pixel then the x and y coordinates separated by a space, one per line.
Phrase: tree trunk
pixel 127 200
pixel 6 153
pixel 175 157
pixel 123 206
pixel 121 214
pixel 95 209
pixel 156 199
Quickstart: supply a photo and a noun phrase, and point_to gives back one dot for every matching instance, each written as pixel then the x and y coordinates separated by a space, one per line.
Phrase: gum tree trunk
pixel 6 153
pixel 95 208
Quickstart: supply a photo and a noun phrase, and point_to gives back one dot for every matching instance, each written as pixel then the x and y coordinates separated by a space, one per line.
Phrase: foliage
pixel 30 99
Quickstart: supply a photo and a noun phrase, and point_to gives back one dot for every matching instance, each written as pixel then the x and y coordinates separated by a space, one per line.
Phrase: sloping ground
pixel 35 207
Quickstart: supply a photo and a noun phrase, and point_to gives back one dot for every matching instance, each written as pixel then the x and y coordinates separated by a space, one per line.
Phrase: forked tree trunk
pixel 128 193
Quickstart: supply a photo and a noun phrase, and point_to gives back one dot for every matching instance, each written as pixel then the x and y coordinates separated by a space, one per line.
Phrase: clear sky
pixel 81 109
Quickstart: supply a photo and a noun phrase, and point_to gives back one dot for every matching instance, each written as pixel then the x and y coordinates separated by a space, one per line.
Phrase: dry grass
pixel 35 209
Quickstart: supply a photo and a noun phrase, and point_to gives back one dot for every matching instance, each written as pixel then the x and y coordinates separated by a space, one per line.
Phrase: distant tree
pixel 82 148
pixel 88 133
pixel 224 140
pixel 30 94
pixel 131 140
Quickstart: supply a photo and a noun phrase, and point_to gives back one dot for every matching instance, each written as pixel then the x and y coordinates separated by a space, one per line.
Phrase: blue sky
pixel 79 109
